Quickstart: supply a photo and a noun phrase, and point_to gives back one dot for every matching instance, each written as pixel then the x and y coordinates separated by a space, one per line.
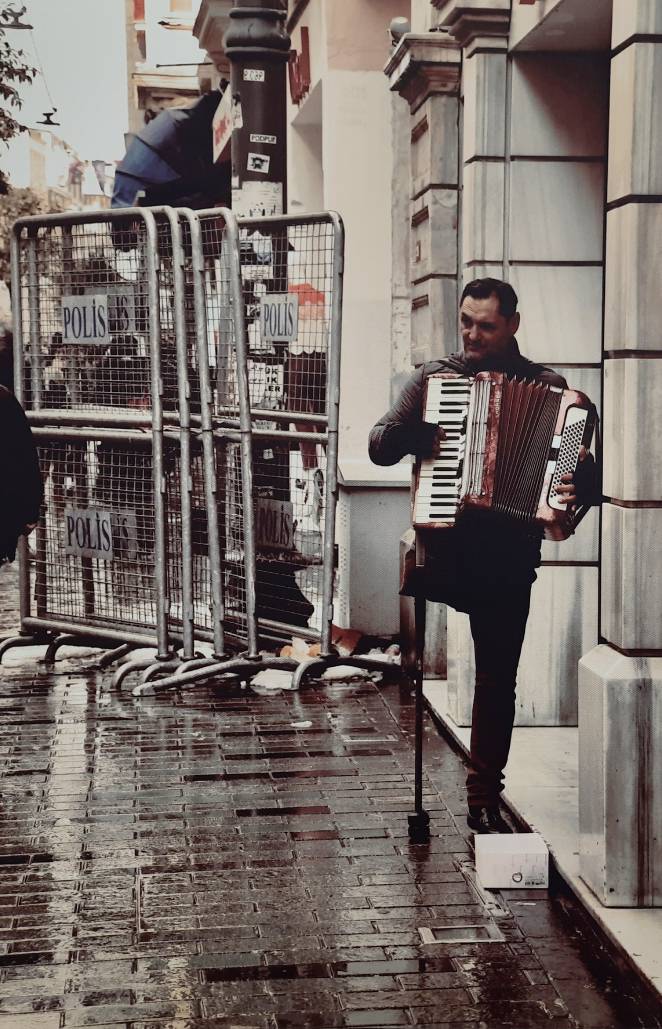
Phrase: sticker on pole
pixel 253 74
pixel 279 317
pixel 258 137
pixel 85 319
pixel 222 126
pixel 257 199
pixel 258 163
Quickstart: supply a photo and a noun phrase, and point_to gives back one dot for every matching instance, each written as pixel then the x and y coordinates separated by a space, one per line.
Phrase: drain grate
pixel 490 899
pixel 362 737
pixel 461 934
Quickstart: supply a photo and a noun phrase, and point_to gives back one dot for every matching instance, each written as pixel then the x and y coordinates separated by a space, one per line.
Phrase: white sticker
pixel 279 317
pixel 104 535
pixel 256 199
pixel 88 533
pixel 253 75
pixel 258 163
pixel 85 319
pixel 237 116
pixel 257 137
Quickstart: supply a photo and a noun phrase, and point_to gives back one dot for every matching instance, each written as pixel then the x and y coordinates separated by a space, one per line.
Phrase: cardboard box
pixel 512 860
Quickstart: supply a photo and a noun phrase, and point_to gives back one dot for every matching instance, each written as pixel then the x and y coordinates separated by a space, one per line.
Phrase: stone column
pixel 532 200
pixel 425 70
pixel 620 709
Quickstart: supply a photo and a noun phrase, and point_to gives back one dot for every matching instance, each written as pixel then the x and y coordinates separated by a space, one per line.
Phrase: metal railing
pixel 181 373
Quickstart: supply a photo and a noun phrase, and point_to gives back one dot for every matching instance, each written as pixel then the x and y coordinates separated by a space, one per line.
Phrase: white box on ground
pixel 510 860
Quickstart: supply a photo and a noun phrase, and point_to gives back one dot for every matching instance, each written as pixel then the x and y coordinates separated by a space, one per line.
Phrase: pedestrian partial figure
pixel 21 488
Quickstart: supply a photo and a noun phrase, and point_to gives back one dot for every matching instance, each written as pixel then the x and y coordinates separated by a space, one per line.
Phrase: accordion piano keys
pixel 507 445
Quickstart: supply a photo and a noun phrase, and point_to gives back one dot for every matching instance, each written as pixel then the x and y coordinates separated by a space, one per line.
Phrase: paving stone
pixel 195 860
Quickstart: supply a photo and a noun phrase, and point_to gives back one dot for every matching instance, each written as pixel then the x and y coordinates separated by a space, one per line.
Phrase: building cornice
pixel 210 25
pixel 422 66
pixel 476 24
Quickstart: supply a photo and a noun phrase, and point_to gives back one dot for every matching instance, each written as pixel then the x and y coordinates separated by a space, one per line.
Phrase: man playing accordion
pixel 482 566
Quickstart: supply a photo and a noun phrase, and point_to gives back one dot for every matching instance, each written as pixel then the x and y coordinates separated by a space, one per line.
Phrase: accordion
pixel 507 445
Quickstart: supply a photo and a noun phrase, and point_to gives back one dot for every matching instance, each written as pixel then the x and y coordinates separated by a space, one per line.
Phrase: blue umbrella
pixel 170 161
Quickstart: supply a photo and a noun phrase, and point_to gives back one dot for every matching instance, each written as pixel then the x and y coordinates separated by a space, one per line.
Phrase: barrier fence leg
pixel 419 821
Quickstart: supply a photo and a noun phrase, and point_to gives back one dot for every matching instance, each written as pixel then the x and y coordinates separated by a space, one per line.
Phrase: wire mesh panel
pixel 88 372
pixel 94 563
pixel 223 585
pixel 291 273
pixel 84 306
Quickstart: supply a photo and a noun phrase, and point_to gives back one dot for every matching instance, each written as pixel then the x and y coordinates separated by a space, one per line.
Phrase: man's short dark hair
pixel 481 289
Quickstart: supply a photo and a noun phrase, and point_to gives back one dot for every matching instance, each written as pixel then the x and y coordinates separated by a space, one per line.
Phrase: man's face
pixel 486 334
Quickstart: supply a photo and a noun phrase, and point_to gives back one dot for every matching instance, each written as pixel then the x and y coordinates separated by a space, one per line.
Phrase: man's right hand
pixel 431 437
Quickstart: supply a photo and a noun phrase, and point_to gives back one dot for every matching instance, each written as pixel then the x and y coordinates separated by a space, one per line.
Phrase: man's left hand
pixel 566 487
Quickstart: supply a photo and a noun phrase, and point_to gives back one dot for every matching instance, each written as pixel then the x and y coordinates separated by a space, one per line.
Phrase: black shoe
pixel 487 819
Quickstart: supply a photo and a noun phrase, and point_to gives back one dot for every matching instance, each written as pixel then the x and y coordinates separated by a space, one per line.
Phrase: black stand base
pixel 419 827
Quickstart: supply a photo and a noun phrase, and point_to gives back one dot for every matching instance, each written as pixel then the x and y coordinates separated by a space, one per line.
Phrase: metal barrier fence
pixel 163 358
pixel 291 300
pixel 87 352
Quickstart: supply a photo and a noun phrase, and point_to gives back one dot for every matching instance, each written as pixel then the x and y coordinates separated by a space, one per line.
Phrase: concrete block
pixel 635 130
pixel 557 211
pixel 633 299
pixel 559 105
pixel 620 777
pixel 631 585
pixel 633 429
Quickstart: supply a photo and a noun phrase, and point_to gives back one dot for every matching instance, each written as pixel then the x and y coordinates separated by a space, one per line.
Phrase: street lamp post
pixel 258 48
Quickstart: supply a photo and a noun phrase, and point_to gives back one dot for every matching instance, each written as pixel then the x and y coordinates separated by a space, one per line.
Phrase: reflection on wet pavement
pixel 198 859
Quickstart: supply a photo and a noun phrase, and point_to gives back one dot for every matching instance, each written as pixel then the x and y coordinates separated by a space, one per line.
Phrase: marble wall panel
pixel 582 546
pixel 434 324
pixel 630 17
pixel 482 211
pixel 561 309
pixel 434 234
pixel 559 105
pixel 484 84
pixel 620 777
pixel 481 271
pixel 631 584
pixel 556 211
pixel 635 128
pixel 434 144
pixel 633 298
pixel 563 625
pixel 633 429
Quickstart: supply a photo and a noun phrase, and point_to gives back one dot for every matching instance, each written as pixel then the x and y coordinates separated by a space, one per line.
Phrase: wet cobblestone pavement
pixel 223 858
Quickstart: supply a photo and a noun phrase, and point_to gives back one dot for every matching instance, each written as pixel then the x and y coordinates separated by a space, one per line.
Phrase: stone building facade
pixel 535 157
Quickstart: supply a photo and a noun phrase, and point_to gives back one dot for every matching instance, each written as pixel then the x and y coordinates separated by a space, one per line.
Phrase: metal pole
pixel 149 255
pixel 333 412
pixel 183 395
pixel 19 384
pixel 258 49
pixel 419 822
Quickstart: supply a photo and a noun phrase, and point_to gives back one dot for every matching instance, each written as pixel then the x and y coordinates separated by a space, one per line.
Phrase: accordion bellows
pixel 507 445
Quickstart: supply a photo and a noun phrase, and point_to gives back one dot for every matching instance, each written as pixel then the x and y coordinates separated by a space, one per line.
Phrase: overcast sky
pixel 81 47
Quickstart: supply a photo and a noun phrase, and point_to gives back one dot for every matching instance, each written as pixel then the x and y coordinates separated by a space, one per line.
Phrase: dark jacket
pixel 478 556
pixel 21 487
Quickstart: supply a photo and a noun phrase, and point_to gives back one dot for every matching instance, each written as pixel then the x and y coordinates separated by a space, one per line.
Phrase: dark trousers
pixel 497 626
